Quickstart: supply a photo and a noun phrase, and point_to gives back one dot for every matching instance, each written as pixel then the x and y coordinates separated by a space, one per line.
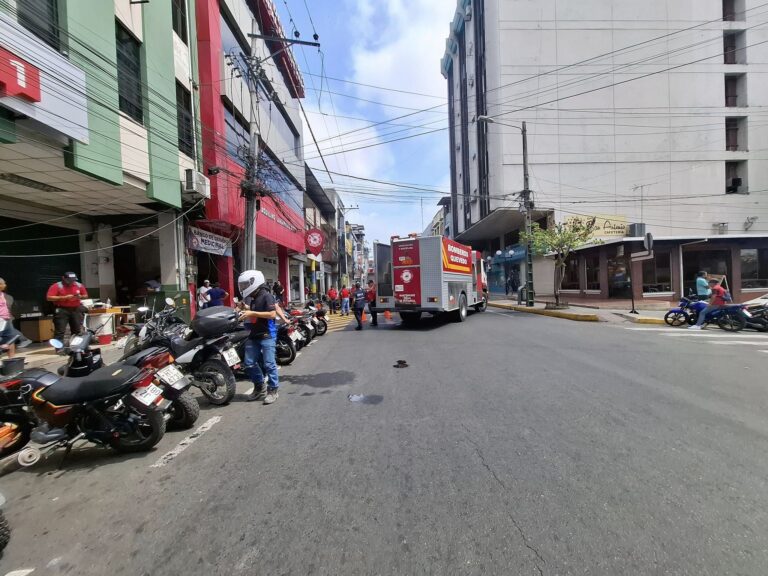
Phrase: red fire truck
pixel 435 274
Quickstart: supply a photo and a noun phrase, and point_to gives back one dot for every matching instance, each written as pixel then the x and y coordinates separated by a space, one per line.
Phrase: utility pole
pixel 528 206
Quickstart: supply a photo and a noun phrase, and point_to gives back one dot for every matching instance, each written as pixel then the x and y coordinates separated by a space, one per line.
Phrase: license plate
pixel 231 356
pixel 747 313
pixel 75 341
pixel 147 395
pixel 170 375
pixel 294 336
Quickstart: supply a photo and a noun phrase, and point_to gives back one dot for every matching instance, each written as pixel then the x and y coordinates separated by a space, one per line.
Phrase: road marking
pixel 740 342
pixel 22 572
pixel 696 334
pixel 186 443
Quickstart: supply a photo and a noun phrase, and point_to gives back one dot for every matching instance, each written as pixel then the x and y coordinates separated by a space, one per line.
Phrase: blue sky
pixel 393 44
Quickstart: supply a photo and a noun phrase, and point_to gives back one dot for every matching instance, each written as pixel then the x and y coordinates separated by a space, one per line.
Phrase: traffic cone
pixel 387 314
pixel 363 318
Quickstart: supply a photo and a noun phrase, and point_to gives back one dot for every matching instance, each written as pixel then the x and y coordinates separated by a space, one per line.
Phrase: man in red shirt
pixel 716 300
pixel 344 301
pixel 332 299
pixel 67 295
pixel 370 296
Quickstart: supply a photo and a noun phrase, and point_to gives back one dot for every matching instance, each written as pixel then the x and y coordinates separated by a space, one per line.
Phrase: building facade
pixel 646 116
pixel 97 135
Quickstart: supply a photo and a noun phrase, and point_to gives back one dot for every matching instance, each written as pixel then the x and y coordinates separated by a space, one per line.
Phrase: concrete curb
pixel 642 319
pixel 551 313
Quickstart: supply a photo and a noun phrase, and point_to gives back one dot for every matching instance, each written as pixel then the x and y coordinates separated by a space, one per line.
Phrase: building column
pixel 301 282
pixel 284 271
pixel 106 264
pixel 225 268
pixel 171 252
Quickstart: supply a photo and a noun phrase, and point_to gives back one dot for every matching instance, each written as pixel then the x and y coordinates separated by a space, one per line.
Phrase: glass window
pixel 657 273
pixel 592 262
pixel 41 17
pixel 129 74
pixel 754 268
pixel 237 134
pixel 274 177
pixel 571 273
pixel 179 18
pixel 232 41
pixel 184 120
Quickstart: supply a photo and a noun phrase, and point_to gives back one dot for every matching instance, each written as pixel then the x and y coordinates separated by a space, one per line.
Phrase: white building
pixel 637 112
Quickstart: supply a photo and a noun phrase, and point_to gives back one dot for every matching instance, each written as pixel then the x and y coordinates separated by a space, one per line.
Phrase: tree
pixel 560 240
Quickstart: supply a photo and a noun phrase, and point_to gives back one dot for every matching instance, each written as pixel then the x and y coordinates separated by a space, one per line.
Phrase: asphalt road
pixel 511 444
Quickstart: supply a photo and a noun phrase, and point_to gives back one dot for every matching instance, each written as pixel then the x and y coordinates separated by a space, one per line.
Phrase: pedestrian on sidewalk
pixel 202 295
pixel 717 300
pixel 260 346
pixel 67 296
pixel 344 300
pixel 702 285
pixel 370 296
pixel 332 299
pixel 217 295
pixel 10 338
pixel 358 303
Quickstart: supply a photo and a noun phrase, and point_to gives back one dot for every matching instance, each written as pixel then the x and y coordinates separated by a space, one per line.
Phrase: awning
pixel 499 222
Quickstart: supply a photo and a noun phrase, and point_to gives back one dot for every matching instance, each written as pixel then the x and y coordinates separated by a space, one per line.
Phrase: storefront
pixel 505 270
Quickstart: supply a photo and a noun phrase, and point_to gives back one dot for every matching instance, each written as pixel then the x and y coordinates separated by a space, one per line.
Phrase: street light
pixel 527 205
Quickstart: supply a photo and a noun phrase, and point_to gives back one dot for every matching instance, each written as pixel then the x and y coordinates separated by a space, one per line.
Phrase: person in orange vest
pixel 370 296
pixel 332 298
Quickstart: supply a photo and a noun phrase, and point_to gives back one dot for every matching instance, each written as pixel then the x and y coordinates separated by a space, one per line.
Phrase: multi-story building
pixel 645 115
pixel 227 57
pixel 97 133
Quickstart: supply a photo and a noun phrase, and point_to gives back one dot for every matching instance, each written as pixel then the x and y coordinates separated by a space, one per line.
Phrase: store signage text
pixel 284 223
pixel 18 77
pixel 204 241
pixel 456 257
pixel 606 226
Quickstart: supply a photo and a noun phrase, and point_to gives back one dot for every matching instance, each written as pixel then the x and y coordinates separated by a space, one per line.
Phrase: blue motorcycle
pixel 731 317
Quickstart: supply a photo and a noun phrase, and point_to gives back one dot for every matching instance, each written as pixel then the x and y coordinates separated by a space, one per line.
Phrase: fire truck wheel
pixel 483 305
pixel 461 313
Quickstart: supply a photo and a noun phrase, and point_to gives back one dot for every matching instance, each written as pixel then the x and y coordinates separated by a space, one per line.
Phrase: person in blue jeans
pixel 260 346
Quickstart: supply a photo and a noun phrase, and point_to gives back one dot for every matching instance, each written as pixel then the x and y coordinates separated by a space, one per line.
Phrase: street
pixel 510 444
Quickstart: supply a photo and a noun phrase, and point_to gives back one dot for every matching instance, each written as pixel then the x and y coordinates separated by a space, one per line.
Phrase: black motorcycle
pixel 759 318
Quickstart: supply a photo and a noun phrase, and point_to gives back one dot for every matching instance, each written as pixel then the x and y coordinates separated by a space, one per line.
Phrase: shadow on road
pixel 320 379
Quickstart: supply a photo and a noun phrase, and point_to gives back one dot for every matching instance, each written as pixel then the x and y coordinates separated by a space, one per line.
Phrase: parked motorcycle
pixel 82 359
pixel 321 326
pixel 758 319
pixel 5 529
pixel 731 317
pixel 202 350
pixel 285 347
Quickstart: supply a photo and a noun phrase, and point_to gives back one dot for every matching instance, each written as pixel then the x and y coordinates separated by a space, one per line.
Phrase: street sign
pixel 648 242
pixel 640 256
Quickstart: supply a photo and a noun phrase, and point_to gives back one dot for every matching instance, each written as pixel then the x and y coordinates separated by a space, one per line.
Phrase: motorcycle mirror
pixel 56 343
pixel 169 301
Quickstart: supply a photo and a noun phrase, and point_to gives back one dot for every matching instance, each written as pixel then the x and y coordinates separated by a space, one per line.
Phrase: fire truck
pixel 433 274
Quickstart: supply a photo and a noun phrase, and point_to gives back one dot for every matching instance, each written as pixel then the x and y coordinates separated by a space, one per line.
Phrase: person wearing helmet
pixel 260 346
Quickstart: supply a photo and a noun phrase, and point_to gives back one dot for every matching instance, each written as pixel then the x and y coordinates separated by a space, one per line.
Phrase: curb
pixel 642 319
pixel 551 313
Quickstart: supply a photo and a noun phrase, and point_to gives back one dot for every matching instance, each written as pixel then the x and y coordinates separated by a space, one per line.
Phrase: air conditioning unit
pixel 196 183
pixel 637 230
pixel 734 186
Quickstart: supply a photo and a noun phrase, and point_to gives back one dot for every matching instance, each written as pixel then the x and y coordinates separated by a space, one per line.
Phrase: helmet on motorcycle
pixel 249 281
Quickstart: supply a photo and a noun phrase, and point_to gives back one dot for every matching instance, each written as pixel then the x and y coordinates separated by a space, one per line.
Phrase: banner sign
pixel 456 257
pixel 606 226
pixel 405 253
pixel 408 285
pixel 314 240
pixel 204 241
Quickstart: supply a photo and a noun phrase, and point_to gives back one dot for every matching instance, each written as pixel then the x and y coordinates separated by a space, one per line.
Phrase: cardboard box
pixel 37 329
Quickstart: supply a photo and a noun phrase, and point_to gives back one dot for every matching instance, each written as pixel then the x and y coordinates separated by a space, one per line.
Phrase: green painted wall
pixel 94 24
pixel 160 90
pixel 7 127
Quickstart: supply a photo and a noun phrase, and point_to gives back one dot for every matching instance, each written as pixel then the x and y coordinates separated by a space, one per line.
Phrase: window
pixel 729 49
pixel 41 17
pixel 280 121
pixel 731 91
pixel 657 274
pixel 733 10
pixel 232 42
pixel 237 133
pixel 184 120
pixel 179 18
pixel 735 177
pixel 754 268
pixel 592 262
pixel 129 74
pixel 571 273
pixel 736 134
pixel 734 47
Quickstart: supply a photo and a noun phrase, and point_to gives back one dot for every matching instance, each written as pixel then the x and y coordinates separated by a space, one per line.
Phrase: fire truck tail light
pixel 383 300
pixel 432 299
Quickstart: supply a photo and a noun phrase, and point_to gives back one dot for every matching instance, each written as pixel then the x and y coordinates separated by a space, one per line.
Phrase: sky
pixel 392 45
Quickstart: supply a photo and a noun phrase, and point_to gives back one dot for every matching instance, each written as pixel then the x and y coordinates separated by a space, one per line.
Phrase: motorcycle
pixel 286 345
pixel 119 406
pixel 321 326
pixel 759 318
pixel 202 350
pixel 5 529
pixel 731 317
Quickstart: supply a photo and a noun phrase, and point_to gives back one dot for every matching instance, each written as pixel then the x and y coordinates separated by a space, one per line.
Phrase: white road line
pixel 22 572
pixel 186 443
pixel 739 343
pixel 696 334
pixel 649 329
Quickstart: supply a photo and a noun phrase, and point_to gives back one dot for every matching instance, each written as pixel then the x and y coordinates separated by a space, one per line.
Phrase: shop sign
pixel 314 241
pixel 18 77
pixel 279 219
pixel 204 241
pixel 606 226
pixel 456 257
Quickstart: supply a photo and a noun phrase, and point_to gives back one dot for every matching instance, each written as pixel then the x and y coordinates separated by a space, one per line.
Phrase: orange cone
pixel 363 317
pixel 387 314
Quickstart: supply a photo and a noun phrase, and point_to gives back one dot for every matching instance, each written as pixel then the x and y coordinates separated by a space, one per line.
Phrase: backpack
pixel 727 297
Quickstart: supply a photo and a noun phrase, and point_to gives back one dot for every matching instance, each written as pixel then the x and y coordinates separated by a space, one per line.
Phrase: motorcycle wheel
pixel 14 434
pixel 732 322
pixel 322 327
pixel 676 318
pixel 146 434
pixel 5 532
pixel 216 381
pixel 306 333
pixel 184 412
pixel 286 352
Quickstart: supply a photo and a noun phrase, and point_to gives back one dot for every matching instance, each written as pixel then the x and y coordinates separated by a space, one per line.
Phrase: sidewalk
pixel 42 355
pixel 585 314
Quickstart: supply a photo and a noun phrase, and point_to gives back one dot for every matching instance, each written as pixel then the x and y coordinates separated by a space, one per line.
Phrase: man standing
pixel 260 346
pixel 69 309
pixel 344 300
pixel 370 296
pixel 9 336
pixel 217 295
pixel 358 297
pixel 202 295
pixel 716 301
pixel 332 296
pixel 702 286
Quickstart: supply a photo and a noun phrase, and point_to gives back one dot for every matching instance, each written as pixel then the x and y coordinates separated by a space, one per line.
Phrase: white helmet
pixel 249 281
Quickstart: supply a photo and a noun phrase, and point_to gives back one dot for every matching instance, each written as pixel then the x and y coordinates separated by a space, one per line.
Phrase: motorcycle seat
pixel 99 384
pixel 179 346
pixel 239 335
